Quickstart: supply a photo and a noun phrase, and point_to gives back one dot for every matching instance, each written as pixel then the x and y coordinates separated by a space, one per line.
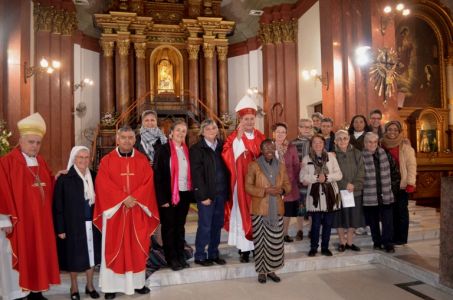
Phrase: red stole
pixel 241 165
pixel 33 238
pixel 128 232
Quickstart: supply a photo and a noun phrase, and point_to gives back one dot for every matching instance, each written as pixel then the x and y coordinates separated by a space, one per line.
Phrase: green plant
pixel 4 135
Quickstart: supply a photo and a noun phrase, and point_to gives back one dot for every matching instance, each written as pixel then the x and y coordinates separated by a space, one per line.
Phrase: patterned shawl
pixel 370 197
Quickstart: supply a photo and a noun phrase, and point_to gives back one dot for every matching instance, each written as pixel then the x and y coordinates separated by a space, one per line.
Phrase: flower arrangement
pixel 4 135
pixel 109 119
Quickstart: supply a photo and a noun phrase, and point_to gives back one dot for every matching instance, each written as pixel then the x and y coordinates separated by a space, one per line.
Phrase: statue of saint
pixel 424 143
pixel 165 77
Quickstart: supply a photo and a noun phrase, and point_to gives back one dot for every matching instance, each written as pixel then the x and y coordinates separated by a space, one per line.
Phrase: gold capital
pixel 57 24
pixel 222 52
pixel 107 47
pixel 69 23
pixel 193 51
pixel 208 50
pixel 265 33
pixel 276 32
pixel 289 31
pixel 123 47
pixel 140 49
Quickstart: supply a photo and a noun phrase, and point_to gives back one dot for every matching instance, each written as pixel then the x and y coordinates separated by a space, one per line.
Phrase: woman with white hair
pixel 79 242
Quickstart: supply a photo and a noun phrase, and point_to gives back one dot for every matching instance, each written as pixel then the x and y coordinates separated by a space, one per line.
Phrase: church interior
pixel 90 66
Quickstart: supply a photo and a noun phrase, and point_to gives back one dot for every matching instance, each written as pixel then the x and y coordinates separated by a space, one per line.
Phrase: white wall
pixel 245 71
pixel 86 65
pixel 309 57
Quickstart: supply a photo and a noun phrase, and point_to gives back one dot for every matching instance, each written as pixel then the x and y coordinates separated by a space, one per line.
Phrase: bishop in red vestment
pixel 26 188
pixel 126 212
pixel 240 148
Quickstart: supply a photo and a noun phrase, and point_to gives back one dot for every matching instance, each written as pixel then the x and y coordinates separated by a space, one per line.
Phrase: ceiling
pixel 233 10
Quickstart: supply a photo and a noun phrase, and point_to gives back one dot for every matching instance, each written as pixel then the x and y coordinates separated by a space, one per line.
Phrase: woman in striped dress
pixel 266 183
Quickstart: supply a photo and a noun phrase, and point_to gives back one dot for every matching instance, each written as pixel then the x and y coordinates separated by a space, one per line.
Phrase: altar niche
pixel 166 68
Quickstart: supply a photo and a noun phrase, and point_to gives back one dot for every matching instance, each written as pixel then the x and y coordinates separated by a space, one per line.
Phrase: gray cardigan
pixel 351 166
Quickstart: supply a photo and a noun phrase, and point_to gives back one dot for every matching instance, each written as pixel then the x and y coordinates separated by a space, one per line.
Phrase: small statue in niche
pixel 165 77
pixel 424 143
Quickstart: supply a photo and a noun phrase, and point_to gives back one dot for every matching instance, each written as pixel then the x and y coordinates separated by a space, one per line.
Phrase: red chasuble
pixel 128 231
pixel 27 199
pixel 241 165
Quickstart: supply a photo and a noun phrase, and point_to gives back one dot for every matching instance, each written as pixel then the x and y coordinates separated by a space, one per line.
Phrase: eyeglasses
pixel 343 138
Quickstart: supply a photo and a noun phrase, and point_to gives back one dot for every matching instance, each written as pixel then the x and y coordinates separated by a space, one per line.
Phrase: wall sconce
pixel 390 12
pixel 83 83
pixel 313 74
pixel 44 66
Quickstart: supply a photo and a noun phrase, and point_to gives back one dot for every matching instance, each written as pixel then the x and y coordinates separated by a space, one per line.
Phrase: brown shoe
pixel 272 276
pixel 299 235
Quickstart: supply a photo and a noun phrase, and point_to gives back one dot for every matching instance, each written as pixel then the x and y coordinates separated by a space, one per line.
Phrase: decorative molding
pixel 123 47
pixel 107 47
pixel 140 49
pixel 208 50
pixel 193 51
pixel 222 52
pixel 276 32
pixel 289 31
pixel 57 24
pixel 69 23
pixel 265 33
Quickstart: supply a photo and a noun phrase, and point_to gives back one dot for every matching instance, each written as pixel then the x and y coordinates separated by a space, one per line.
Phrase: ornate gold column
pixel 223 79
pixel 208 50
pixel 193 72
pixel 107 91
pixel 140 70
pixel 122 71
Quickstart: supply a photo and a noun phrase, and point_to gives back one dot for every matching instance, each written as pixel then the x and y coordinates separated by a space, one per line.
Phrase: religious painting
pixel 428 139
pixel 418 49
pixel 165 77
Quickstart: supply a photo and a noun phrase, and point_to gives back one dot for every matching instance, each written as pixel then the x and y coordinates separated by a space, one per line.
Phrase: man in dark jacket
pixel 210 186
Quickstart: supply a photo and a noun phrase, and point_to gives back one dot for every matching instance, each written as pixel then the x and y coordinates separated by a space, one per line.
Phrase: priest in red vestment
pixel 241 148
pixel 29 261
pixel 126 212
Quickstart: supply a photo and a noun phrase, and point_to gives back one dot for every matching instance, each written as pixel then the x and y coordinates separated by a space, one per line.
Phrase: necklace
pixel 38 183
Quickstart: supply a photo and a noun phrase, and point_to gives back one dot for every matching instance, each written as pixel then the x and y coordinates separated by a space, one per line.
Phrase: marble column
pixel 122 68
pixel 210 102
pixel 140 73
pixel 446 233
pixel 107 84
pixel 269 74
pixel 223 79
pixel 449 71
pixel 193 73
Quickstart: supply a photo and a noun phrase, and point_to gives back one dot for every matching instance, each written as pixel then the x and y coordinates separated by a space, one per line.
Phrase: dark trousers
pixel 210 223
pixel 173 219
pixel 376 214
pixel 401 217
pixel 317 219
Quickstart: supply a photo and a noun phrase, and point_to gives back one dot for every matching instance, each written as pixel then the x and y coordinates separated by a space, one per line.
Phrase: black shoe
pixel 218 260
pixel 204 263
pixel 245 256
pixel 378 247
pixel 93 294
pixel 272 276
pixel 36 296
pixel 352 247
pixel 288 239
pixel 299 235
pixel 144 290
pixel 341 248
pixel 389 249
pixel 175 266
pixel 326 252
pixel 109 295
pixel 75 296
pixel 262 278
pixel 185 264
pixel 312 252
pixel 399 243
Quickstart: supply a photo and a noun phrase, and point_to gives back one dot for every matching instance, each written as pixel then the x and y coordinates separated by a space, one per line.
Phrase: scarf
pixel 281 150
pixel 370 197
pixel 174 171
pixel 88 187
pixel 149 137
pixel 389 143
pixel 320 163
pixel 271 172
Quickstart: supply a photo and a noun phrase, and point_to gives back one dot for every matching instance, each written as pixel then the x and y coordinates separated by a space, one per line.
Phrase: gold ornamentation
pixel 222 52
pixel 140 49
pixel 265 33
pixel 193 51
pixel 123 47
pixel 57 24
pixel 44 16
pixel 208 50
pixel 107 47
pixel 289 31
pixel 69 23
pixel 384 72
pixel 276 32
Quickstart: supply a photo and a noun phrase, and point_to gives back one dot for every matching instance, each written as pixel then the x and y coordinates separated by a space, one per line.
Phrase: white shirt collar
pixel 213 146
pixel 250 135
pixel 31 161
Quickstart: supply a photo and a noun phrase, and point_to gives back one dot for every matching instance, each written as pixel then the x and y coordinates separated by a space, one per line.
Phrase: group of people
pixel 248 184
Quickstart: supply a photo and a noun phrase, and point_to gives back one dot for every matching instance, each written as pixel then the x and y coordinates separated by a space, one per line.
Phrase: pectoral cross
pixel 127 174
pixel 39 184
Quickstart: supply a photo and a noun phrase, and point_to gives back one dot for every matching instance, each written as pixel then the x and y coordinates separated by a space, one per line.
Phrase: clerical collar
pixel 129 154
pixel 30 160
